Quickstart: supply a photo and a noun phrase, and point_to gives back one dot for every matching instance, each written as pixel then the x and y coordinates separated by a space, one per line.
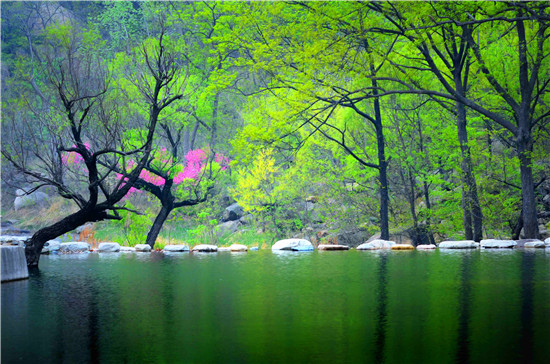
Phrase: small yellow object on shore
pixel 402 247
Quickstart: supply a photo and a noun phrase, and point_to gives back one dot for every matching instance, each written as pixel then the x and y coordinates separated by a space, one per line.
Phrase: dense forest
pixel 333 121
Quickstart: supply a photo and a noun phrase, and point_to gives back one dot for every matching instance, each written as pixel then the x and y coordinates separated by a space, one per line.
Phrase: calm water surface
pixel 261 307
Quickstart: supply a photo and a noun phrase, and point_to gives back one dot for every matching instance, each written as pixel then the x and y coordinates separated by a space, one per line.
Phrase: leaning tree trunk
pixel 529 208
pixel 33 246
pixel 154 232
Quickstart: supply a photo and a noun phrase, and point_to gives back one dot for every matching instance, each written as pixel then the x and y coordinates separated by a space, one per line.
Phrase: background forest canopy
pixel 427 120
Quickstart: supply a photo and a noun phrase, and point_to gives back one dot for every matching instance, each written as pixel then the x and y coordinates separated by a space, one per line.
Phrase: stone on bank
pixel 331 247
pixel 176 248
pixel 238 248
pixel 143 248
pixel 108 247
pixel 295 245
pixel 462 244
pixel 376 244
pixel 205 248
pixel 74 247
pixel 497 244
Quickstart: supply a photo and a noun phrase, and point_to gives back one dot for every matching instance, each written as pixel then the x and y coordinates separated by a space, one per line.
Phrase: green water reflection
pixel 260 307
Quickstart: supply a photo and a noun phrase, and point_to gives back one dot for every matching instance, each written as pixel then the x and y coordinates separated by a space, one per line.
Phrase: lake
pixel 262 307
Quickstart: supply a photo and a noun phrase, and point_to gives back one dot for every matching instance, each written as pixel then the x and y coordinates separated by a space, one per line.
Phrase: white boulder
pixel 296 245
pixel 238 248
pixel 74 247
pixel 547 242
pixel 143 248
pixel 425 247
pixel 51 246
pixel 127 249
pixel 205 248
pixel 534 244
pixel 462 244
pixel 176 248
pixel 376 244
pixel 497 244
pixel 108 247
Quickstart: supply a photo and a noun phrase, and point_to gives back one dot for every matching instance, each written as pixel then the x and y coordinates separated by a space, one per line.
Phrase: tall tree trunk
pixel 473 218
pixel 525 148
pixel 428 219
pixel 382 163
pixel 154 232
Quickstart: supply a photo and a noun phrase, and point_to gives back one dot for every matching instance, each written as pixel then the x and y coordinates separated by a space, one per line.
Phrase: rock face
pixel 232 212
pixel 13 262
pixel 228 227
pixel 81 228
pixel 205 248
pixel 74 247
pixel 402 247
pixel 534 244
pixel 425 247
pixel 330 247
pixel 127 249
pixel 108 247
pixel 143 248
pixel 376 244
pixel 497 244
pixel 36 198
pixel 176 248
pixel 351 238
pixel 238 248
pixel 462 244
pixel 295 245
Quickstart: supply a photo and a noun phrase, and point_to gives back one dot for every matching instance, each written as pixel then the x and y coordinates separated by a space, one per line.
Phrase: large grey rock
pixel 297 245
pixel 205 248
pixel 143 248
pixel 176 248
pixel 461 244
pixel 547 242
pixel 74 247
pixel 497 244
pixel 127 249
pixel 247 219
pixel 108 247
pixel 232 212
pixel 36 198
pixel 376 244
pixel 13 262
pixel 51 246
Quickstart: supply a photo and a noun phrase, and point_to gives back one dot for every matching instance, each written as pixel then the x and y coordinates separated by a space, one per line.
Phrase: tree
pixel 79 78
pixel 516 104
